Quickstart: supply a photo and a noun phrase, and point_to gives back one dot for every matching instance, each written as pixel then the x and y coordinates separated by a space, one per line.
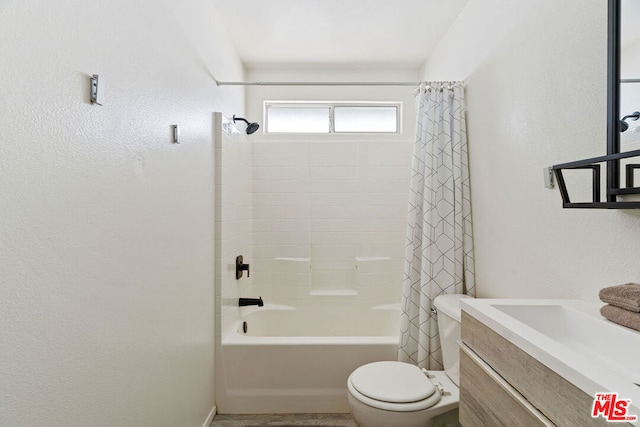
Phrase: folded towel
pixel 621 316
pixel 623 296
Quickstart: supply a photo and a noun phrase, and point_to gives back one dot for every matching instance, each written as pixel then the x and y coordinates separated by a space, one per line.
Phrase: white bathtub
pixel 298 360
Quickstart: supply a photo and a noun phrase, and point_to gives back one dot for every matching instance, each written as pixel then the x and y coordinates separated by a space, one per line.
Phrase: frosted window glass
pixel 298 119
pixel 366 119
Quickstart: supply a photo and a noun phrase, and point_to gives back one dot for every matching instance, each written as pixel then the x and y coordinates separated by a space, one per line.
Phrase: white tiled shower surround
pixel 329 210
pixel 319 220
pixel 329 220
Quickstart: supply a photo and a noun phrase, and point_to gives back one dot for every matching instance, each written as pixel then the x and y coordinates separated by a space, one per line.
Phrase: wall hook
pixel 175 130
pixel 97 90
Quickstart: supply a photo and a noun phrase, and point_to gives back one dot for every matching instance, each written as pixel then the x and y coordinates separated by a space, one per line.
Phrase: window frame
pixel 331 105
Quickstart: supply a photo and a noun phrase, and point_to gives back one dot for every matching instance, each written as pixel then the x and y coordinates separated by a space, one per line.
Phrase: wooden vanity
pixel 502 385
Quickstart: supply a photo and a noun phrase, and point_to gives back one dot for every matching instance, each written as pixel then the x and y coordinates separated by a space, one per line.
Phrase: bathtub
pixel 298 360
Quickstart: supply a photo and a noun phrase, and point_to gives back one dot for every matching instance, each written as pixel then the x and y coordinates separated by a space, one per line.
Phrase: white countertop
pixel 571 338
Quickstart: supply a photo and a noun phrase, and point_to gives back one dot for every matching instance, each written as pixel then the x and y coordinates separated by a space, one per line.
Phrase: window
pixel 298 119
pixel 336 117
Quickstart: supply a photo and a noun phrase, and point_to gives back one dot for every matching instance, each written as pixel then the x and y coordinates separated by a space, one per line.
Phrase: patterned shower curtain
pixel 439 242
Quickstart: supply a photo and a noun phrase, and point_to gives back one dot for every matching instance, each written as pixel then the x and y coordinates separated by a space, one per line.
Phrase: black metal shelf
pixel 613 191
pixel 602 205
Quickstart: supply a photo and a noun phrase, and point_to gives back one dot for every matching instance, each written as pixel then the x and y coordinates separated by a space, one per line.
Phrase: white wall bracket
pixel 176 134
pixel 548 177
pixel 97 90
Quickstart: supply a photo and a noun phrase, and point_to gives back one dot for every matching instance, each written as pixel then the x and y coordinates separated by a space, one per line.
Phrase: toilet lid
pixel 394 382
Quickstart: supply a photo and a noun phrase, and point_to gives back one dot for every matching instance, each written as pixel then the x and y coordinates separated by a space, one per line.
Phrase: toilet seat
pixel 393 386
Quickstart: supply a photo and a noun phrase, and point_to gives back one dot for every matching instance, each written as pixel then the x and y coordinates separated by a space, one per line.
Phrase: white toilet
pixel 383 394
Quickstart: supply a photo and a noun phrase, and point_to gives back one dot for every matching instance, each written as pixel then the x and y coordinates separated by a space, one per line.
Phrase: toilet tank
pixel 449 318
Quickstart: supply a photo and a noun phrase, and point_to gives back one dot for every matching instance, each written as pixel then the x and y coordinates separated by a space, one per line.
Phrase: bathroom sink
pixel 571 338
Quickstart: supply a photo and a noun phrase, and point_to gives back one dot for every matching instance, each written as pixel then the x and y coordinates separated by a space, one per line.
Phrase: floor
pixel 284 420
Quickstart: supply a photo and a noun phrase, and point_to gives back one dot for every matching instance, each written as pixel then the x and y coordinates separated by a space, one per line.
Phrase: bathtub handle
pixel 240 267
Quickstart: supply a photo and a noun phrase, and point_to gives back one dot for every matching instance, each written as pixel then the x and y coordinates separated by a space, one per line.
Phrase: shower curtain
pixel 439 242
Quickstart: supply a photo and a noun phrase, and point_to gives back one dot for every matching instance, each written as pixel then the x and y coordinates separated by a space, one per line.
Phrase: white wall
pixel 233 237
pixel 233 218
pixel 327 200
pixel 107 232
pixel 536 96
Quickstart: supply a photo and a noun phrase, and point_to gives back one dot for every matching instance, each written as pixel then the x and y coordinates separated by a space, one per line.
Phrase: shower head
pixel 251 127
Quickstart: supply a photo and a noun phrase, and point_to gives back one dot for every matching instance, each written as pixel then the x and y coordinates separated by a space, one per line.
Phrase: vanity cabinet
pixel 501 385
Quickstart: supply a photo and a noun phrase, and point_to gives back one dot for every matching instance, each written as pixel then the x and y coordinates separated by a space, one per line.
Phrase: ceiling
pixel 336 33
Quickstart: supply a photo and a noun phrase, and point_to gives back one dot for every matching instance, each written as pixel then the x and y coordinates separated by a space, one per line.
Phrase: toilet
pixel 383 394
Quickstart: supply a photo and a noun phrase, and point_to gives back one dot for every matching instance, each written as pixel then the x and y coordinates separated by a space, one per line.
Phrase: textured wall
pixel 536 96
pixel 107 232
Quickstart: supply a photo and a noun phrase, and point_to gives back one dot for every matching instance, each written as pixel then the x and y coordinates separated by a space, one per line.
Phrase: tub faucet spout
pixel 243 302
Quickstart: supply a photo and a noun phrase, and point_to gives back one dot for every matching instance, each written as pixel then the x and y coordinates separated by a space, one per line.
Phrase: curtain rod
pixel 218 83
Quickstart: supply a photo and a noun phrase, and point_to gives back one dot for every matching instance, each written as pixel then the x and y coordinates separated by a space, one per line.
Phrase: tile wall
pixel 329 219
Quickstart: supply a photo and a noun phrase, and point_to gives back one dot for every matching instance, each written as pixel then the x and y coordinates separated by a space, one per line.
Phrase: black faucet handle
pixel 240 267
